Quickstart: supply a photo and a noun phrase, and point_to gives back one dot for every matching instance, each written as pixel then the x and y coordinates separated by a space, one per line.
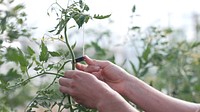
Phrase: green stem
pixel 25 110
pixel 73 62
pixel 61 102
pixel 57 75
pixel 70 48
pixel 63 66
pixel 50 73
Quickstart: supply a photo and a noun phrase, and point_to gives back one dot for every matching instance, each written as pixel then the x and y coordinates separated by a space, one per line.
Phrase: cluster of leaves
pixel 13 21
pixel 181 68
pixel 170 65
pixel 76 11
pixel 12 27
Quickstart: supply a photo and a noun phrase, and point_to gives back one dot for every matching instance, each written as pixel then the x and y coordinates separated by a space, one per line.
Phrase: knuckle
pixel 73 84
pixel 66 74
pixel 74 76
pixel 73 93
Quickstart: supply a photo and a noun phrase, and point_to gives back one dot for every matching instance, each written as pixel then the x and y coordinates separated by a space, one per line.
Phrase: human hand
pixel 85 88
pixel 106 71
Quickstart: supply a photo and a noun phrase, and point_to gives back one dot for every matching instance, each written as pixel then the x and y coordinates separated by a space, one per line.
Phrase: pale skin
pixel 101 85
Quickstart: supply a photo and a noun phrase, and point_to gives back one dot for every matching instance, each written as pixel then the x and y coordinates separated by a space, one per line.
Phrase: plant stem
pixel 70 48
pixel 63 66
pixel 73 62
pixel 50 73
pixel 59 108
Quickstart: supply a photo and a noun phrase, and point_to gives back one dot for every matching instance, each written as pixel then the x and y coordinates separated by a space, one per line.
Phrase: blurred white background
pixel 175 13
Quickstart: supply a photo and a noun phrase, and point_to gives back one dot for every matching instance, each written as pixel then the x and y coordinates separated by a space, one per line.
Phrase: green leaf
pixel 44 54
pixel 21 58
pixel 11 75
pixel 37 68
pixel 1 1
pixel 1 62
pixel 80 19
pixel 168 31
pixel 13 34
pixel 11 55
pixel 72 26
pixel 81 3
pixel 54 53
pixel 45 104
pixel 86 8
pixel 133 67
pixel 20 21
pixel 195 44
pixel 17 56
pixel 135 28
pixel 60 26
pixel 74 45
pixel 3 24
pixel 146 53
pixel 134 9
pixel 30 51
pixel 86 19
pixel 140 62
pixel 50 66
pixel 1 41
pixel 11 1
pixel 30 65
pixel 144 72
pixel 101 51
pixel 97 16
pixel 112 59
pixel 18 8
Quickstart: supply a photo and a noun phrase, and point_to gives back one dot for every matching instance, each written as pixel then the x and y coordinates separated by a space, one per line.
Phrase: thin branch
pixel 61 102
pixel 44 73
pixel 63 66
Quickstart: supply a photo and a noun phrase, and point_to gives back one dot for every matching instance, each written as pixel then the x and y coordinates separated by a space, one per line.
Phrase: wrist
pixel 129 84
pixel 107 100
pixel 114 102
pixel 126 85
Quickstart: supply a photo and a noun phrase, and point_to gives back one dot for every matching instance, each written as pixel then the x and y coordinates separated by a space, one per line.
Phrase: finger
pixel 100 63
pixel 65 82
pixel 70 74
pixel 92 68
pixel 80 66
pixel 77 99
pixel 89 68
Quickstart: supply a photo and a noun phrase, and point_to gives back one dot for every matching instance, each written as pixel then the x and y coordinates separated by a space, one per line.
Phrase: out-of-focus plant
pixel 167 61
pixel 12 26
pixel 12 19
